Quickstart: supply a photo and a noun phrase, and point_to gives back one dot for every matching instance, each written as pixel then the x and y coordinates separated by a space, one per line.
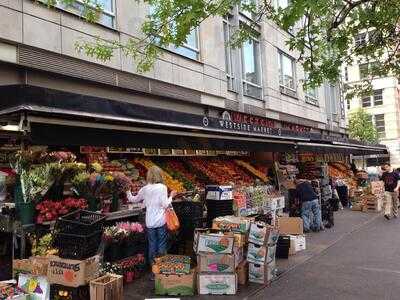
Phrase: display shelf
pixel 123 214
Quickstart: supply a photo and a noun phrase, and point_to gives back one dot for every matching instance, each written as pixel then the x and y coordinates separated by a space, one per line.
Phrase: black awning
pixel 62 118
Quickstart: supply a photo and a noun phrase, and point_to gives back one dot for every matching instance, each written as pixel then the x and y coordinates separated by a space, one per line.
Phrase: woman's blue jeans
pixel 311 215
pixel 158 240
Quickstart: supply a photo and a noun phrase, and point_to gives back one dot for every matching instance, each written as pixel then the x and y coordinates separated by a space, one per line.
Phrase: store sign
pixel 241 122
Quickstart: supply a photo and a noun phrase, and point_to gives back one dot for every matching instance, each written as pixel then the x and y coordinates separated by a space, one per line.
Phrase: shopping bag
pixel 171 219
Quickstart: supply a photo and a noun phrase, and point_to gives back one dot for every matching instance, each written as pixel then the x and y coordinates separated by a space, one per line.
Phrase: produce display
pixel 43 246
pixel 49 210
pixel 171 183
pixel 172 264
pixel 252 170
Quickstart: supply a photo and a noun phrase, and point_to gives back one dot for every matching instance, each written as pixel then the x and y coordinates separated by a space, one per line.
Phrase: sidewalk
pixel 346 222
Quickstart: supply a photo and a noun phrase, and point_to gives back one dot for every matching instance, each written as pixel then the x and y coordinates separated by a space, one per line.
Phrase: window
pixel 366 101
pixel 282 3
pixel 286 71
pixel 380 125
pixel 190 48
pixel 311 94
pixel 106 18
pixel 360 39
pixel 229 67
pixel 251 68
pixel 348 104
pixel 363 68
pixel 378 97
pixel 246 12
pixel 346 73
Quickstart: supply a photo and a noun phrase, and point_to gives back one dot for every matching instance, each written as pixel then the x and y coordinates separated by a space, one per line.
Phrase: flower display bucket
pixel 26 212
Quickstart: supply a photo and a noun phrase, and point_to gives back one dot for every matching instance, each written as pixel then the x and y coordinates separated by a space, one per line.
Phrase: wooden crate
pixel 373 204
pixel 107 287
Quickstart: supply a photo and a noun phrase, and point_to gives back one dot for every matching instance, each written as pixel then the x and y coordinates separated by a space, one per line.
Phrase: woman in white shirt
pixel 154 195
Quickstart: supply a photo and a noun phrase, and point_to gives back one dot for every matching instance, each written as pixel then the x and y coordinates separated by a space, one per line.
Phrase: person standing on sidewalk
pixel 310 208
pixel 392 186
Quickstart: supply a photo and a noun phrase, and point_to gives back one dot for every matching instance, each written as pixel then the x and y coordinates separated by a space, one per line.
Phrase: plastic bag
pixel 171 219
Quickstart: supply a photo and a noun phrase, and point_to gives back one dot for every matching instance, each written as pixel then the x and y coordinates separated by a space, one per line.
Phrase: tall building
pixel 382 105
pixel 202 80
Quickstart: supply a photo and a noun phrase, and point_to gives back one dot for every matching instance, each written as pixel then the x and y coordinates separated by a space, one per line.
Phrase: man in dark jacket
pixel 392 186
pixel 310 208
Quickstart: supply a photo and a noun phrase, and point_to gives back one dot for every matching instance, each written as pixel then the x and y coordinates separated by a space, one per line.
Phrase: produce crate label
pixel 37 287
pixel 175 285
pixel 261 273
pixel 217 284
pixel 216 192
pixel 172 264
pixel 232 223
pixel 263 234
pixel 238 252
pixel 72 273
pixel 214 243
pixel 260 254
pixel 216 263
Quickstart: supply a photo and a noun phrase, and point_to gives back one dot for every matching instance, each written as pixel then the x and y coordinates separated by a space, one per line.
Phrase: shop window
pixel 107 15
pixel 229 54
pixel 378 97
pixel 380 125
pixel 366 101
pixel 251 68
pixel 286 71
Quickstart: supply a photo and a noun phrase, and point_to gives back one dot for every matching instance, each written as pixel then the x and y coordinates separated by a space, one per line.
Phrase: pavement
pixel 357 258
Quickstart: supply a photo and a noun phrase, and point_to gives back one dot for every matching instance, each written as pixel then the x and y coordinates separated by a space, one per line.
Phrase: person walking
pixel 310 208
pixel 392 186
pixel 154 195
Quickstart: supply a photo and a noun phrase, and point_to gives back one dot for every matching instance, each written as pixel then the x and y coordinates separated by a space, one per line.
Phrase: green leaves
pixel 322 32
pixel 361 127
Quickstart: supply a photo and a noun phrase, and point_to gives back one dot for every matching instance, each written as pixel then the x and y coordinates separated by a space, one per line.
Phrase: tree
pixel 324 32
pixel 361 127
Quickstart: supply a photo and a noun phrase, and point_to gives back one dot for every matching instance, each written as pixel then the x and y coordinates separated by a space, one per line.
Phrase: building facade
pixel 262 78
pixel 382 105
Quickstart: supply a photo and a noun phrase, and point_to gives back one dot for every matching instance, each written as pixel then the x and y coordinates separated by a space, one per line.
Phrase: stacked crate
pixel 216 262
pixel 261 252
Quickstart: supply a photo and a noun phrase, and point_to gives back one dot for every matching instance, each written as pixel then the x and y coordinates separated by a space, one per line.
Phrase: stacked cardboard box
pixel 291 230
pixel 173 276
pixel 261 252
pixel 217 262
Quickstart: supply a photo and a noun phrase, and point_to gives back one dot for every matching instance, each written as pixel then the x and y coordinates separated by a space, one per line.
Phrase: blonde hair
pixel 154 175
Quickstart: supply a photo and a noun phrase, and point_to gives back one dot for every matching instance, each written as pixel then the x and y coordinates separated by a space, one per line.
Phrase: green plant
pixel 361 127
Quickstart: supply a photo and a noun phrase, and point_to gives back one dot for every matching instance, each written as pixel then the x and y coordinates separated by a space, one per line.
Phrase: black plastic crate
pixel 75 246
pixel 80 221
pixel 188 209
pixel 282 247
pixel 61 292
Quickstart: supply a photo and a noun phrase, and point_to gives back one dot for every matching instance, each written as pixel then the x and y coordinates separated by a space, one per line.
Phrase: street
pixel 364 264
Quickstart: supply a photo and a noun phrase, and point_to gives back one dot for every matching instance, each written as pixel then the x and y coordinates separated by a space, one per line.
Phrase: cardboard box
pixel 261 273
pixel 172 264
pixel 238 252
pixel 297 243
pixel 290 225
pixel 260 254
pixel 280 203
pixel 232 223
pixel 72 273
pixel 175 285
pixel 241 239
pixel 39 265
pixel 23 266
pixel 37 287
pixel 216 192
pixel 242 272
pixel 216 263
pixel 263 234
pixel 213 243
pixel 217 284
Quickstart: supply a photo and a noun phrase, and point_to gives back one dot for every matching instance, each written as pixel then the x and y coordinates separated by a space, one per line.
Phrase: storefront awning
pixel 60 118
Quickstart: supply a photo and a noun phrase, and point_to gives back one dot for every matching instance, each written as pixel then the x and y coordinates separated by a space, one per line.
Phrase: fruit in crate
pixel 172 184
pixel 252 170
